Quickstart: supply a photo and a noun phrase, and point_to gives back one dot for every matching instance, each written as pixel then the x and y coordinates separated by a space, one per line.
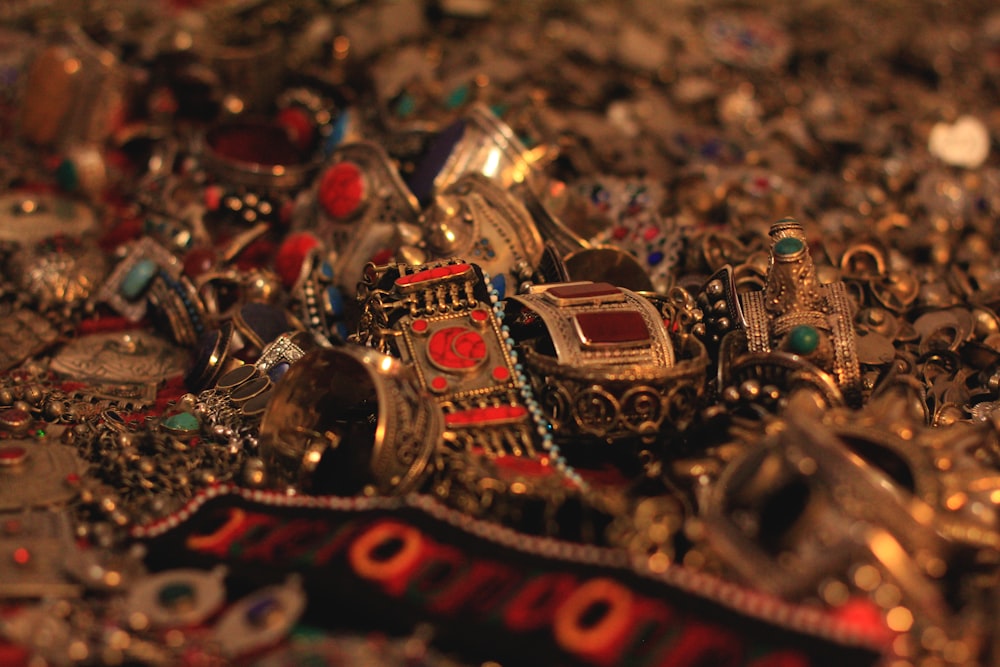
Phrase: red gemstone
pixel 198 261
pixel 611 327
pixel 436 273
pixel 439 383
pixel 501 374
pixel 383 256
pixel 299 126
pixel 286 211
pixel 456 348
pixel 479 315
pixel 291 254
pixel 419 326
pixel 12 455
pixel 254 143
pixel 341 190
pixel 440 272
pixel 489 416
pixel 583 291
pixel 213 197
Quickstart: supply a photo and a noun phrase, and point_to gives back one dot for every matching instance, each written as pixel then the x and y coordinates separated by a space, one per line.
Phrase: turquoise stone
pixel 182 422
pixel 457 97
pixel 137 279
pixel 803 339
pixel 66 176
pixel 788 246
pixel 406 105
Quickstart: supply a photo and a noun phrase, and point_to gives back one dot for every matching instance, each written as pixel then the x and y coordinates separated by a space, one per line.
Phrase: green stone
pixel 66 176
pixel 182 422
pixel 406 105
pixel 788 246
pixel 457 97
pixel 138 278
pixel 803 339
pixel 176 595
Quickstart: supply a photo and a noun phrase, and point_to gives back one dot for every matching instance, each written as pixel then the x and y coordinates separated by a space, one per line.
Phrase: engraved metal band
pixel 757 322
pixel 357 408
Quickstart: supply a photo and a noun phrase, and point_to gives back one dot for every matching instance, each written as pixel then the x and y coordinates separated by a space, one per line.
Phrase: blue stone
pixel 654 258
pixel 326 270
pixel 421 182
pixel 338 131
pixel 335 300
pixel 500 285
pixel 138 278
pixel 278 371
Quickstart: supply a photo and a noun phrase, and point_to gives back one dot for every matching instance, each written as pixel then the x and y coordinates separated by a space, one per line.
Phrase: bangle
pixel 603 363
pixel 346 420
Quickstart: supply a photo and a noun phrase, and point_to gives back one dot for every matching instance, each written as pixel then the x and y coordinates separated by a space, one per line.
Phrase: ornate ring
pixel 476 219
pixel 360 204
pixel 478 143
pixel 176 301
pixel 125 287
pixel 603 363
pixel 798 508
pixel 797 314
pixel 255 156
pixel 347 419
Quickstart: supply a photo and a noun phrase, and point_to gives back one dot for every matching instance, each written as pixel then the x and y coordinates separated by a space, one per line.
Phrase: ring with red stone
pixel 360 209
pixel 603 363
pixel 255 168
pixel 442 319
pixel 307 118
pixel 348 420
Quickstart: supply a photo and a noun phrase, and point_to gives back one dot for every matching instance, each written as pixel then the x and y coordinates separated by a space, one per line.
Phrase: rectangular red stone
pixel 615 327
pixel 488 416
pixel 436 274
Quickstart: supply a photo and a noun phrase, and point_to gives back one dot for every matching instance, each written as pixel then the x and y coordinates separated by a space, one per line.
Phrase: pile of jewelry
pixel 465 332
